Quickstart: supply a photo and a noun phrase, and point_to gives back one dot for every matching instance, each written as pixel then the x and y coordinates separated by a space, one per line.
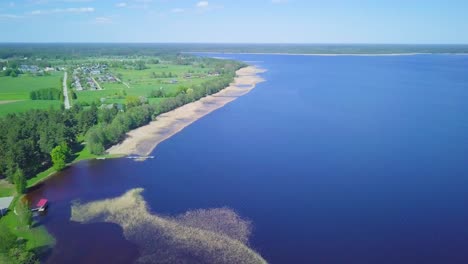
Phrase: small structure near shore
pixel 5 204
pixel 41 206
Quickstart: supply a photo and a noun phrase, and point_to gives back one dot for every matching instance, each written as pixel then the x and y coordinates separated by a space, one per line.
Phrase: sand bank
pixel 143 140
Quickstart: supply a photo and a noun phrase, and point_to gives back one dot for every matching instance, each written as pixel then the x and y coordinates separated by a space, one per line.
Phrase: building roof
pixel 41 203
pixel 5 202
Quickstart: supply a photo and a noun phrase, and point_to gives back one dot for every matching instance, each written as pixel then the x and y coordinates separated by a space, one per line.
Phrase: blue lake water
pixel 346 159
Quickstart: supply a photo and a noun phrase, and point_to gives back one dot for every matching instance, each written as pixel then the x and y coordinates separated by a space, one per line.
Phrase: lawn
pixel 23 106
pixel 40 177
pixel 83 154
pixel 37 236
pixel 6 189
pixel 18 88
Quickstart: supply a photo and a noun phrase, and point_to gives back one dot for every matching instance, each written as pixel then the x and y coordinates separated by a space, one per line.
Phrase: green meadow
pixel 17 91
pixel 18 88
pixel 25 105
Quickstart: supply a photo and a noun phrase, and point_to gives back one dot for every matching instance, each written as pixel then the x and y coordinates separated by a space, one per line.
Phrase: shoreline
pixel 143 140
pixel 329 54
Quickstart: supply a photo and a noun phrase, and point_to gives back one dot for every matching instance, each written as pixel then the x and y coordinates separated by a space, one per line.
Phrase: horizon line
pixel 236 43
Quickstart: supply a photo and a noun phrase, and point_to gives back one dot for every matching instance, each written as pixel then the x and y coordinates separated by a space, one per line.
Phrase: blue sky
pixel 243 21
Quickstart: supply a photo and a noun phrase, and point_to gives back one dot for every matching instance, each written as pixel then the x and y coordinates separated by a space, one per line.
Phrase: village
pixel 88 77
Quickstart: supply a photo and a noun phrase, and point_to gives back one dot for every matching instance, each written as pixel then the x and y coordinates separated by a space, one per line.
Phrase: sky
pixel 236 21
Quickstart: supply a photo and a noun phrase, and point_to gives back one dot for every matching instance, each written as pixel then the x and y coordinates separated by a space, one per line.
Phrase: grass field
pixel 6 189
pixel 17 90
pixel 25 105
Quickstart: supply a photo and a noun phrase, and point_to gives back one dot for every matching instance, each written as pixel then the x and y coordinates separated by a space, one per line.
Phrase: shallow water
pixel 333 159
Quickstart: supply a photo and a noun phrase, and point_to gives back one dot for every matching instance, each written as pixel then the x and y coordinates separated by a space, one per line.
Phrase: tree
pixel 181 89
pixel 24 213
pixel 132 101
pixel 8 240
pixel 20 255
pixel 20 181
pixel 140 65
pixel 60 155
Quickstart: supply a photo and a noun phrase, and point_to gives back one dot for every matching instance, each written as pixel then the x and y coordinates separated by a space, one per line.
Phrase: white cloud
pixel 9 16
pixel 177 10
pixel 135 4
pixel 41 2
pixel 103 20
pixel 63 10
pixel 202 4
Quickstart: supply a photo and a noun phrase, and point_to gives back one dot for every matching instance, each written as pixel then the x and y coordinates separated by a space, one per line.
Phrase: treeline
pixel 55 51
pixel 10 72
pixel 27 139
pixel 46 94
pixel 163 75
pixel 107 134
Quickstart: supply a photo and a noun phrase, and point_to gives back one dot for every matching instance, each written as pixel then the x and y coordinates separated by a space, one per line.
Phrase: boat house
pixel 41 205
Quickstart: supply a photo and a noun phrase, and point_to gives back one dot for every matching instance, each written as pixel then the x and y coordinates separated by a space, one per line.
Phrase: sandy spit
pixel 143 140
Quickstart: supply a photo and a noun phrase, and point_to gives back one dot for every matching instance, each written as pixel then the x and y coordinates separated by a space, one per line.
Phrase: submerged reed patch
pixel 201 236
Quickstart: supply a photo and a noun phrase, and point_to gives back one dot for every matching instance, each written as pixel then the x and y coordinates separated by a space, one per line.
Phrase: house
pixel 5 204
pixel 29 68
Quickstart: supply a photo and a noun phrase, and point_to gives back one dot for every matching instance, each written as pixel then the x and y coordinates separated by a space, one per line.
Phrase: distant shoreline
pixel 143 140
pixel 326 54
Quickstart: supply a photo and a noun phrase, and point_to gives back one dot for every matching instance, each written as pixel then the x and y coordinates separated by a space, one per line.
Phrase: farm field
pixel 18 88
pixel 25 105
pixel 14 92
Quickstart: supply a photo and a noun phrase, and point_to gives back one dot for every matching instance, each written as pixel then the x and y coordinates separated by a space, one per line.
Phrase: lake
pixel 334 159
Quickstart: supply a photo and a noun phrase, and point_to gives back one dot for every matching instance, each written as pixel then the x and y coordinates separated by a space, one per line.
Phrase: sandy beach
pixel 143 140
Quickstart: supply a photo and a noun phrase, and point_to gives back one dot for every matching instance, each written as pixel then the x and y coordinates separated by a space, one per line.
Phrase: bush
pixel 46 94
